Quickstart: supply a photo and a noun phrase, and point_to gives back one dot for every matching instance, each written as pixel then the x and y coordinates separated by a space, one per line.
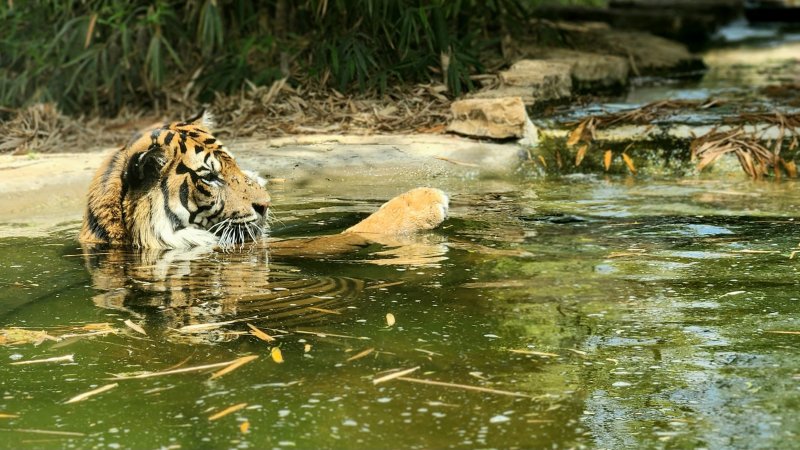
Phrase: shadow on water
pixel 604 313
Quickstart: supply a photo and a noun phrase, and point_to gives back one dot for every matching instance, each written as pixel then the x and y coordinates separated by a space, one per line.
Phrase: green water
pixel 654 296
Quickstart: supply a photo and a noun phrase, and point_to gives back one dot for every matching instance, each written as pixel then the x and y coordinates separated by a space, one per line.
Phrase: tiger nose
pixel 261 207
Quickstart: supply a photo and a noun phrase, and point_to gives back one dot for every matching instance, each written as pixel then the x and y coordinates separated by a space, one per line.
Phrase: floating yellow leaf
pixel 576 134
pixel 233 366
pixel 244 427
pixel 581 153
pixel 135 327
pixel 629 162
pixel 607 159
pixel 226 411
pixel 390 319
pixel 260 334
pixel 306 348
pixel 8 416
pixel 276 354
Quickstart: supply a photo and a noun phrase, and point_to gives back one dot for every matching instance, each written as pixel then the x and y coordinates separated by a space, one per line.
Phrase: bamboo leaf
pixel 581 154
pixel 577 133
pixel 90 31
pixel 629 163
pixel 607 156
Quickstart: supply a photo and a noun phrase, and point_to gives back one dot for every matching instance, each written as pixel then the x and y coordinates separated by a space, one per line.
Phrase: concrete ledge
pixel 39 192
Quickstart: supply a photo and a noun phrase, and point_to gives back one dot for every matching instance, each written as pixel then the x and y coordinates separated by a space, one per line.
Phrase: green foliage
pixel 103 55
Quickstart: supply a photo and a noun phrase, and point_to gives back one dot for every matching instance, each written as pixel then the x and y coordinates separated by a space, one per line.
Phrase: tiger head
pixel 175 186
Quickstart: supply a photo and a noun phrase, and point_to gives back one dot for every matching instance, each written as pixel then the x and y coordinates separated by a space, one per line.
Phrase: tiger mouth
pixel 234 234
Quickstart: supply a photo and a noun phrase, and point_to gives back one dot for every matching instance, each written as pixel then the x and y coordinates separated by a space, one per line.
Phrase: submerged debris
pixel 20 336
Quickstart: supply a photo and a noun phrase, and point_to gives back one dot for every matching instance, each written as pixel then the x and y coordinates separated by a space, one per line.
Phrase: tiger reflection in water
pixel 174 225
pixel 169 289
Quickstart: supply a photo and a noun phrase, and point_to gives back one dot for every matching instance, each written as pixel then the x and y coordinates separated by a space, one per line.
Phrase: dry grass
pixel 276 110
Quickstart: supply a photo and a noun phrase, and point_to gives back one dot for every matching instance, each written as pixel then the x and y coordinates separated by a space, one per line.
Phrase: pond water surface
pixel 593 312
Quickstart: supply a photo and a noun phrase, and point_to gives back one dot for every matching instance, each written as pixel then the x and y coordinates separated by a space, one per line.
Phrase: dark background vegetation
pixel 99 56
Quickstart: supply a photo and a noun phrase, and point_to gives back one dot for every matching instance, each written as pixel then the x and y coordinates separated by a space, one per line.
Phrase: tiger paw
pixel 419 209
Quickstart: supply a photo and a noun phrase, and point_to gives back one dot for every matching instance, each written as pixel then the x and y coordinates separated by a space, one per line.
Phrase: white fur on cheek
pixel 191 237
pixel 160 234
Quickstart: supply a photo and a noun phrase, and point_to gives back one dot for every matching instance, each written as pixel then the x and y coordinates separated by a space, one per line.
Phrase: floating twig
pixel 361 354
pixel 65 358
pixel 394 375
pixel 464 386
pixel 228 410
pixel 172 372
pixel 85 395
pixel 234 365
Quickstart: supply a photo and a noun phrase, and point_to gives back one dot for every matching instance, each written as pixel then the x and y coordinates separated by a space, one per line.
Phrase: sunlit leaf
pixel 577 133
pixel 629 162
pixel 276 354
pixel 390 319
pixel 607 159
pixel 581 154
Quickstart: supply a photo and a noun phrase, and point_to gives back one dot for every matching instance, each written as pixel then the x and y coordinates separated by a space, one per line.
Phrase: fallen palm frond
pixel 754 157
pixel 645 115
pixel 757 155
pixel 585 130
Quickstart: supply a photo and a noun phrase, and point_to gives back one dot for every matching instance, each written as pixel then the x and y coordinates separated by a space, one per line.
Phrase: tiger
pixel 176 186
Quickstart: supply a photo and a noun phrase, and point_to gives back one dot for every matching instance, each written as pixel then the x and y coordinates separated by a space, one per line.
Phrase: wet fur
pixel 154 193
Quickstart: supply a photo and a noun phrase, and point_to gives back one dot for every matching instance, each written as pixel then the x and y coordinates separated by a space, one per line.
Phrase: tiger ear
pixel 204 119
pixel 144 169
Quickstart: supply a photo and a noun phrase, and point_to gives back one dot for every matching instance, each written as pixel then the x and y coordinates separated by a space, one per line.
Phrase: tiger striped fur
pixel 175 186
